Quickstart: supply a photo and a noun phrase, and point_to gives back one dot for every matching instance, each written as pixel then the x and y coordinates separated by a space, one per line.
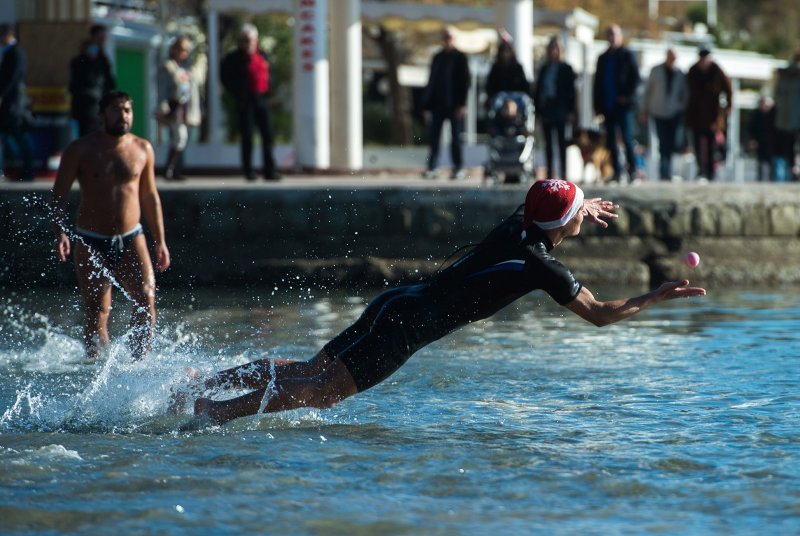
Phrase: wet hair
pixel 113 96
pixel 97 29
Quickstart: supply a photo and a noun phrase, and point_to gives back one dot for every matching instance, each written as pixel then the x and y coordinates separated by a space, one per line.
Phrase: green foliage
pixel 697 13
pixel 377 124
pixel 282 125
pixel 772 44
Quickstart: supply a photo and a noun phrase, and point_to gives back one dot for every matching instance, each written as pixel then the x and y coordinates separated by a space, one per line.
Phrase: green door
pixel 131 78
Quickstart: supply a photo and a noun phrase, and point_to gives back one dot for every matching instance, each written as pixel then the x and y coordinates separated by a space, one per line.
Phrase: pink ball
pixel 692 259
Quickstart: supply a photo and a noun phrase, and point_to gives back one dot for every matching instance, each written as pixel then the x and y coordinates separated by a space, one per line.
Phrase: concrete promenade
pixel 351 229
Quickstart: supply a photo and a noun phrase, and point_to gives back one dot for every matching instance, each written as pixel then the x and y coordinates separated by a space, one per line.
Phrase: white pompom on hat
pixel 551 203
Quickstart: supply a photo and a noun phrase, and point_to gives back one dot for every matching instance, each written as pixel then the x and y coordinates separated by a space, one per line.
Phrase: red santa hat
pixel 551 203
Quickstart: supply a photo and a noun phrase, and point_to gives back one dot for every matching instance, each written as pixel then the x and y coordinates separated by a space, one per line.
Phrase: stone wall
pixel 745 234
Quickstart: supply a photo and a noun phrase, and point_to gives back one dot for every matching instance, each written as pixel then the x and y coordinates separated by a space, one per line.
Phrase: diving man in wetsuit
pixel 513 260
pixel 114 170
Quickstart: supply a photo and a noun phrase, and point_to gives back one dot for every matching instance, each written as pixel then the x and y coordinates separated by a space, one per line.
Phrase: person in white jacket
pixel 665 98
pixel 179 100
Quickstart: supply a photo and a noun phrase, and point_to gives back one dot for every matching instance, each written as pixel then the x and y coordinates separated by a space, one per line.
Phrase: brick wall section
pixel 745 234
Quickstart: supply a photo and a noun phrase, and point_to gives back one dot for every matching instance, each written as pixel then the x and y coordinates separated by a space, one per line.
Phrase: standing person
pixel 245 74
pixel 614 94
pixel 175 93
pixel 90 78
pixel 705 116
pixel 15 114
pixel 506 73
pixel 762 136
pixel 114 170
pixel 554 96
pixel 665 98
pixel 445 98
pixel 513 260
pixel 787 120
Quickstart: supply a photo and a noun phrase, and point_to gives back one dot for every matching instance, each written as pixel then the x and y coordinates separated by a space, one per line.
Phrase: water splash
pixel 25 404
pixel 269 392
pixel 58 390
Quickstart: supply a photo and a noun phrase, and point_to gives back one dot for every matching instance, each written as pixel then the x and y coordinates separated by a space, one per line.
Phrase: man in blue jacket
pixel 614 93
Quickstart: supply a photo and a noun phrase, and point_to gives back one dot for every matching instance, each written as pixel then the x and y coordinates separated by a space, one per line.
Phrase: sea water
pixel 684 419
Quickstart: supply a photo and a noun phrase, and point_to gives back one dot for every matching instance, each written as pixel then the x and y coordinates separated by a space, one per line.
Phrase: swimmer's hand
pixel 62 247
pixel 672 290
pixel 162 257
pixel 594 209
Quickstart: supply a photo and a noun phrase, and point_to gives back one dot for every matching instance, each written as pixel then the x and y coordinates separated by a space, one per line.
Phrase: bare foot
pixel 180 395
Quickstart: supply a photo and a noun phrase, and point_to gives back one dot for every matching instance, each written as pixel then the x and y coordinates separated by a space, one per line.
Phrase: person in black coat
pixel 761 131
pixel 15 114
pixel 90 78
pixel 614 94
pixel 245 75
pixel 554 96
pixel 445 98
pixel 506 73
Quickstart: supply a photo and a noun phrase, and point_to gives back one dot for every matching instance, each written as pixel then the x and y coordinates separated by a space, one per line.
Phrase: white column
pixel 311 83
pixel 347 137
pixel 711 10
pixel 516 16
pixel 653 152
pixel 584 37
pixel 652 9
pixel 214 117
pixel 471 115
pixel 733 160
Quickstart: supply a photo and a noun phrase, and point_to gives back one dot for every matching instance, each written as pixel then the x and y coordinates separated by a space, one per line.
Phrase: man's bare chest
pixel 114 167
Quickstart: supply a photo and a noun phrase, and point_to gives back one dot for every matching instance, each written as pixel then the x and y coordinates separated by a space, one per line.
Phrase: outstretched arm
pixel 151 207
pixel 602 313
pixel 65 177
pixel 594 209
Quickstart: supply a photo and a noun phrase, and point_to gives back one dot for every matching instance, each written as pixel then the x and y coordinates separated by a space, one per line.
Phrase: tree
pixel 394 54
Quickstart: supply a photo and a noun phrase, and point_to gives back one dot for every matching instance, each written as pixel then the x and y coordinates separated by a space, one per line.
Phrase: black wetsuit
pixel 498 271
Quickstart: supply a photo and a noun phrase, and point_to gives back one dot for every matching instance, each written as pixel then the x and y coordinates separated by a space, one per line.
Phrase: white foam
pixel 48 453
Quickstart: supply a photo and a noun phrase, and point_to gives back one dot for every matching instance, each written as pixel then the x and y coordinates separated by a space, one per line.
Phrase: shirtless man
pixel 513 260
pixel 114 169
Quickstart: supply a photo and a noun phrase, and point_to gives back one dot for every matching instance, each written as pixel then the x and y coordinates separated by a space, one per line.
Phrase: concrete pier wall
pixel 325 232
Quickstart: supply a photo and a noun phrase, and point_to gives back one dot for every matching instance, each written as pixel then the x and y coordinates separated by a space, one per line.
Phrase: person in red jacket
pixel 245 75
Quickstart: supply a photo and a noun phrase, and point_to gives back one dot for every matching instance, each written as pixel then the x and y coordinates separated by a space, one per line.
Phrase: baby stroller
pixel 511 125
